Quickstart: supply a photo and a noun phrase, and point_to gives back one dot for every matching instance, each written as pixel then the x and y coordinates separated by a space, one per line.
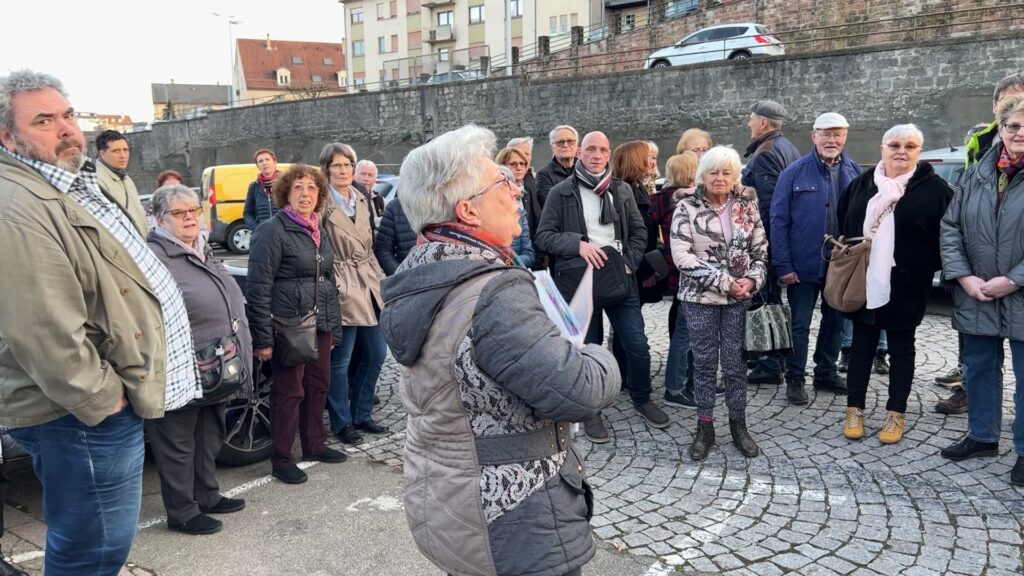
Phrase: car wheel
pixel 739 56
pixel 238 238
pixel 248 423
pixel 661 64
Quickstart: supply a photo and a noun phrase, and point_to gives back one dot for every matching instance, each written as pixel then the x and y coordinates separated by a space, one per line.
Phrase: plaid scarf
pixel 311 225
pixel 1007 170
pixel 599 183
pixel 459 233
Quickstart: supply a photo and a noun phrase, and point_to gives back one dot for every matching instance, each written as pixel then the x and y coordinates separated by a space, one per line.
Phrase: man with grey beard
pixel 94 335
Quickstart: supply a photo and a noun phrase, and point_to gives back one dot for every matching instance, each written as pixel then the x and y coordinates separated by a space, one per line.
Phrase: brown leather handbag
pixel 846 279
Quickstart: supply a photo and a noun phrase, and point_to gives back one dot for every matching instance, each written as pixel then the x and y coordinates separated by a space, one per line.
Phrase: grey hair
pixel 517 141
pixel 1014 81
pixel 1008 107
pixel 719 157
pixel 551 135
pixel 443 172
pixel 904 131
pixel 774 124
pixel 362 163
pixel 332 149
pixel 20 81
pixel 162 198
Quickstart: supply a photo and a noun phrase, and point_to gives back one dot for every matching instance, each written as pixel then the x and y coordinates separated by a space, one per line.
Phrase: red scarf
pixel 459 233
pixel 311 225
pixel 267 183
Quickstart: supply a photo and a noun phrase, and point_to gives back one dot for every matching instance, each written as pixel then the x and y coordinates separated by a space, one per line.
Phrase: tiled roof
pixel 303 59
pixel 208 94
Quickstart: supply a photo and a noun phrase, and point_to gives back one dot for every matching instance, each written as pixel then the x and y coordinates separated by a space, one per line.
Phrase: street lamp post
pixel 231 57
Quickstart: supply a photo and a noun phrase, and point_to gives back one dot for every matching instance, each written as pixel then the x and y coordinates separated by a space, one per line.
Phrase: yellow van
pixel 224 189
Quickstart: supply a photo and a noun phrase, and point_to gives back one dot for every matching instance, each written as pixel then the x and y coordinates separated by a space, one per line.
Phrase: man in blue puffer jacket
pixel 803 212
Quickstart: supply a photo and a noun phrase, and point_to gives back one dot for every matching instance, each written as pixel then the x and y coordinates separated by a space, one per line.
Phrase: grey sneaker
pixel 654 416
pixel 953 378
pixel 595 430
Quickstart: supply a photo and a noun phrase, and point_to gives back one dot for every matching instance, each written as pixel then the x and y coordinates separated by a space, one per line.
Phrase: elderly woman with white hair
pixel 899 206
pixel 493 484
pixel 719 246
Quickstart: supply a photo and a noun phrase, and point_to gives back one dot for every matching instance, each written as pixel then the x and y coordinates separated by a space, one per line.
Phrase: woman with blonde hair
pixel 513 160
pixel 695 140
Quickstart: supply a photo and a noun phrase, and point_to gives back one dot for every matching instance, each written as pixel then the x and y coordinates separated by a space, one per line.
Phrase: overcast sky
pixel 108 53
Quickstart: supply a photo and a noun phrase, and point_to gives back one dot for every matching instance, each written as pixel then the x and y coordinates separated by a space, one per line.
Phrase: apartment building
pixel 394 42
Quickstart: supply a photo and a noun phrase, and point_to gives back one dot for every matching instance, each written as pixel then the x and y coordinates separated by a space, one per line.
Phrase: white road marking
pixel 658 569
pixel 383 503
pixel 26 556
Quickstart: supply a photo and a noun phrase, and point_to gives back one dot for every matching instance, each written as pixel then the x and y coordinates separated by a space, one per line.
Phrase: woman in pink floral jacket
pixel 719 245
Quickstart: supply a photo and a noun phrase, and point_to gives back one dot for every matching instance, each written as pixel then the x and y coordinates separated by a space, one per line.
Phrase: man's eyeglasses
pixel 1010 128
pixel 179 214
pixel 565 143
pixel 516 164
pixel 896 146
pixel 502 180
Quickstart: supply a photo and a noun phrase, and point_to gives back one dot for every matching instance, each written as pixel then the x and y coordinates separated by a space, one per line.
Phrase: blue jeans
pixel 628 323
pixel 92 490
pixel 883 340
pixel 372 351
pixel 803 296
pixel 983 366
pixel 679 366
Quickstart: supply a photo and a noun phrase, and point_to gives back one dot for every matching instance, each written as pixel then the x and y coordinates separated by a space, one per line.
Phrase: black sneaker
pixel 1017 474
pixel 796 393
pixel 348 435
pixel 224 506
pixel 970 448
pixel 595 430
pixel 757 377
pixel 328 455
pixel 289 474
pixel 844 360
pixel 955 404
pixel 881 364
pixel 371 427
pixel 201 524
pixel 835 385
pixel 684 398
pixel 654 416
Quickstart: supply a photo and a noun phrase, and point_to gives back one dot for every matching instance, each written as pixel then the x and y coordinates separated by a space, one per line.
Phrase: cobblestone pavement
pixel 813 502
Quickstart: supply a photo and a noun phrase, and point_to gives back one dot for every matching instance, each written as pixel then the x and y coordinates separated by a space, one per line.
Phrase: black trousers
pixel 185 444
pixel 862 357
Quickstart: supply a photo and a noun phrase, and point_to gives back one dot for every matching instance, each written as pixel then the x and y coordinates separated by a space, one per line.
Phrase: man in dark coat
pixel 564 142
pixel 768 154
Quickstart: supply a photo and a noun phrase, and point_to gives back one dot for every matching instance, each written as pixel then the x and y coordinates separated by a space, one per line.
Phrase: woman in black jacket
pixel 899 205
pixel 286 258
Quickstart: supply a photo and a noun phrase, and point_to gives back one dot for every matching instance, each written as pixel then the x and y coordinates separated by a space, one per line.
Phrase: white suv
pixel 724 42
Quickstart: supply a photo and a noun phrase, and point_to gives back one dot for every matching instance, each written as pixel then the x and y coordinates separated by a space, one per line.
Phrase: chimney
pixel 268 41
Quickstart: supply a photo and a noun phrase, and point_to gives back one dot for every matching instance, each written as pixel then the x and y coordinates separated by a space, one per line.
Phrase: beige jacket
pixel 356 270
pixel 123 193
pixel 79 325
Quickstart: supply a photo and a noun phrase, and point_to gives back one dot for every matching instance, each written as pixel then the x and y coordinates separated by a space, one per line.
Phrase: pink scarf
pixel 311 225
pixel 880 226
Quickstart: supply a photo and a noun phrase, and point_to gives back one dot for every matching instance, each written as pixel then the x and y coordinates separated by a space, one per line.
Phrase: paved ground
pixel 813 503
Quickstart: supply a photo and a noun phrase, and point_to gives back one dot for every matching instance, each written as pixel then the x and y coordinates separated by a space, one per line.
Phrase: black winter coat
pixel 394 239
pixel 258 206
pixel 768 156
pixel 918 217
pixel 282 271
pixel 547 178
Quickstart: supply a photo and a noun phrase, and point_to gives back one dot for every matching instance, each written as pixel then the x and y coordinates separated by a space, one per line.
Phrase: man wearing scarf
pixel 585 212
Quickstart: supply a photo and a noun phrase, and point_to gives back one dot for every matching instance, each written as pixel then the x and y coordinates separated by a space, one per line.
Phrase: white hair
pixel 362 163
pixel 551 135
pixel 517 141
pixel 160 203
pixel 719 157
pixel 443 172
pixel 902 131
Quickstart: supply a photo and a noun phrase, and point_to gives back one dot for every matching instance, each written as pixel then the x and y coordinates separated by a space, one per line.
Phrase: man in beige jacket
pixel 114 154
pixel 93 331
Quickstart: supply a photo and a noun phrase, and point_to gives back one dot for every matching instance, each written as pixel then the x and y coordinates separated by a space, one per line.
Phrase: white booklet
pixel 572 318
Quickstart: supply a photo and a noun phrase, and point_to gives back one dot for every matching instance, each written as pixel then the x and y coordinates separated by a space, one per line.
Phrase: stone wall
pixel 943 87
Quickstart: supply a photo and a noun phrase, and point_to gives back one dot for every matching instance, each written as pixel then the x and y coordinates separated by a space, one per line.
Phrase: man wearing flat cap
pixel 768 154
pixel 803 211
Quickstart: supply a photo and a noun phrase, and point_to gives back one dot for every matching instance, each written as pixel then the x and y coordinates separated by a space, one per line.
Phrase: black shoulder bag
pixel 295 336
pixel 221 366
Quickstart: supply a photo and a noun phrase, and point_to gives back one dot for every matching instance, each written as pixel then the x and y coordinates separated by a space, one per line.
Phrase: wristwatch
pixel 1012 283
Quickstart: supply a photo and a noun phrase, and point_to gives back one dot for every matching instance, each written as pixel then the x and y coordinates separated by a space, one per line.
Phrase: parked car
pixel 455 75
pixel 948 162
pixel 225 187
pixel 387 187
pixel 724 42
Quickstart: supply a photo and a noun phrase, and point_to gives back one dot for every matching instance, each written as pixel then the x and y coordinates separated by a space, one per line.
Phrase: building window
pixel 629 22
pixel 443 54
pixel 283 79
pixel 574 19
pixel 328 61
pixel 357 48
pixel 357 16
pixel 476 14
pixel 381 48
pixel 296 59
pixel 360 81
pixel 383 10
pixel 445 18
pixel 317 79
pixel 563 23
pixel 515 8
pixel 553 25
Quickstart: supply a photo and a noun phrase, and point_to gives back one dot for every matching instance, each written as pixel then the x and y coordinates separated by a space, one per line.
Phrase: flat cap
pixel 769 109
pixel 830 120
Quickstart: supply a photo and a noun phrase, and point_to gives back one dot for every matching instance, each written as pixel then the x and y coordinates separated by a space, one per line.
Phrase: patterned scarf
pixel 311 225
pixel 459 233
pixel 1007 170
pixel 267 183
pixel 599 183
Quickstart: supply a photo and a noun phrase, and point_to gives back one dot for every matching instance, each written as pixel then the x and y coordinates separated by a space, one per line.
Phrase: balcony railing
pixel 441 34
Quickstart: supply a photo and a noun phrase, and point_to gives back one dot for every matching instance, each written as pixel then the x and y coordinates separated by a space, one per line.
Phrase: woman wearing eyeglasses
pixel 983 259
pixel 898 205
pixel 346 222
pixel 515 162
pixel 185 442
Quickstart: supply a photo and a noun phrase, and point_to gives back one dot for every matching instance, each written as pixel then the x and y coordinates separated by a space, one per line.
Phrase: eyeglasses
pixel 1010 128
pixel 896 146
pixel 179 214
pixel 502 180
pixel 516 164
pixel 340 165
pixel 565 143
